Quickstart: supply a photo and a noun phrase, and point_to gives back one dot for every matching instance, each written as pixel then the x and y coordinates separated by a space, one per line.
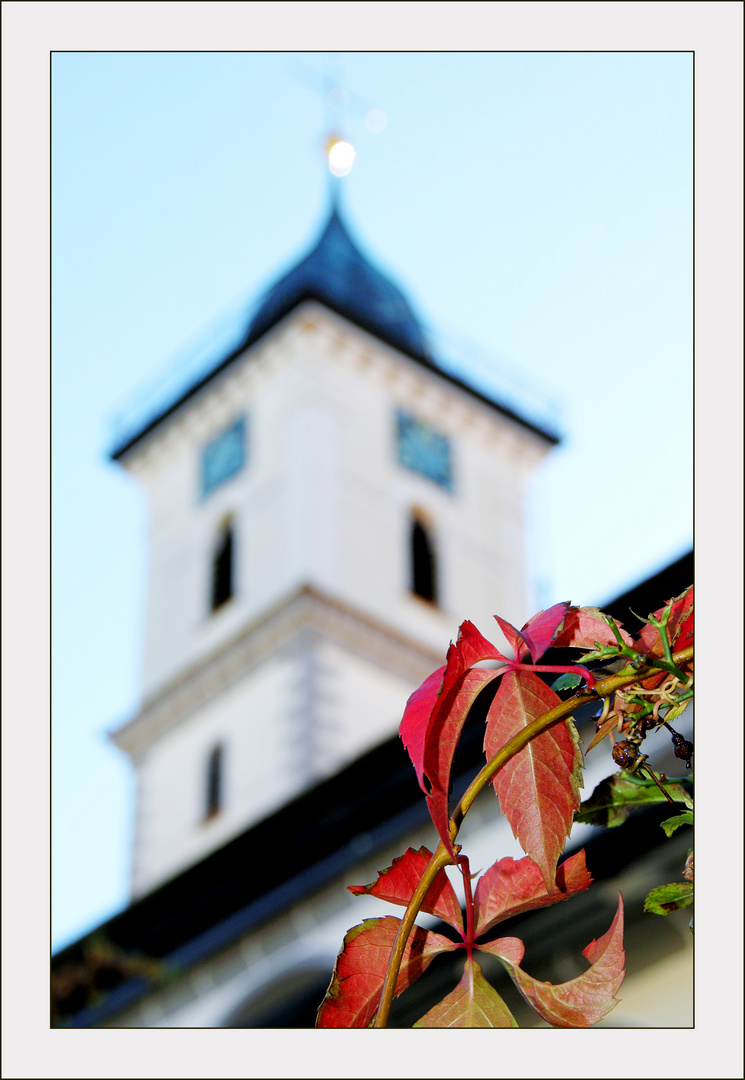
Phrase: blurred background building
pixel 325 505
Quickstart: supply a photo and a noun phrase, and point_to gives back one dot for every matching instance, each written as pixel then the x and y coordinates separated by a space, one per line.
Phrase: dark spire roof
pixel 336 273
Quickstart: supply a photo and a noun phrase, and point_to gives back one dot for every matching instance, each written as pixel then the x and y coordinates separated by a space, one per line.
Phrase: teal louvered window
pixel 224 456
pixel 424 450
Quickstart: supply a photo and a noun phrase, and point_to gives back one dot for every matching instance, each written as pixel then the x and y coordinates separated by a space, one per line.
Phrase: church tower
pixel 326 506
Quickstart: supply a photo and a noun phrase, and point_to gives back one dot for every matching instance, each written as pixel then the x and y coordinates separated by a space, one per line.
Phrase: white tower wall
pixel 311 660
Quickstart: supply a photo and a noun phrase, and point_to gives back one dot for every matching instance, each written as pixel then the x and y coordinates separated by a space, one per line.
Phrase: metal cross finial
pixel 338 103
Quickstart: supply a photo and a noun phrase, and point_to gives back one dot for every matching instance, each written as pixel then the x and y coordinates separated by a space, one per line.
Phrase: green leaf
pixel 667 898
pixel 567 681
pixel 673 823
pixel 603 652
pixel 615 797
pixel 675 710
pixel 473 1004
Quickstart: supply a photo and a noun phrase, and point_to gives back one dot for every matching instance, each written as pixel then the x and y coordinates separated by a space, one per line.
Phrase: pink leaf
pixel 508 888
pixel 539 631
pixel 537 634
pixel 585 626
pixel 602 731
pixel 432 697
pixel 506 948
pixel 681 616
pixel 513 636
pixel 352 998
pixel 398 882
pixel 683 637
pixel 415 722
pixel 538 788
pixel 470 648
pixel 588 998
pixel 435 714
pixel 679 627
pixel 473 1004
pixel 442 740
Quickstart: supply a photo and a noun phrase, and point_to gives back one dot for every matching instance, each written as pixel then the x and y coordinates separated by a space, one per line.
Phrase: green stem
pixel 465 867
pixel 656 780
pixel 668 663
pixel 642 782
pixel 439 861
pixel 672 668
pixel 442 857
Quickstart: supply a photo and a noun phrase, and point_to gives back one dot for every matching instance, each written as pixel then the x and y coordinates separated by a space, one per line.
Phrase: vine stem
pixel 669 662
pixel 465 867
pixel 442 858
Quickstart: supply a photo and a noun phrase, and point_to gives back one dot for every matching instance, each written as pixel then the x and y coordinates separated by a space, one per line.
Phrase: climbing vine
pixel 534 763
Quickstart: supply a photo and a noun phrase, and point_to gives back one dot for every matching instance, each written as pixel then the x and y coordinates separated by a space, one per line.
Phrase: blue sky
pixel 536 208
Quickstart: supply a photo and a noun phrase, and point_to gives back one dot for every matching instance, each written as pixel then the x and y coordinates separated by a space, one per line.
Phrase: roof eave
pixel 253 337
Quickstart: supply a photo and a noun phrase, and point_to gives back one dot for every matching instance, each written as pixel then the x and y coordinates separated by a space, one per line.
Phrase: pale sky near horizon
pixel 536 205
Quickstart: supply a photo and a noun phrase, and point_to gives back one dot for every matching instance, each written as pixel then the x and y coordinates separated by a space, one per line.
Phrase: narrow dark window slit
pixel 214 782
pixel 423 563
pixel 223 568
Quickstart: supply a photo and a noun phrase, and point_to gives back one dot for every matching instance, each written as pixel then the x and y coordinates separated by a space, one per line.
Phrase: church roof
pixel 337 273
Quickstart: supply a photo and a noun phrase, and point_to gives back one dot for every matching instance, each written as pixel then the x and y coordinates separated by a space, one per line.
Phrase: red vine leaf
pixel 473 1004
pixel 540 631
pixel 537 634
pixel 442 740
pixel 513 636
pixel 538 788
pixel 398 882
pixel 584 626
pixel 582 1001
pixel 432 698
pixel 506 948
pixel 470 648
pixel 435 714
pixel 413 728
pixel 607 725
pixel 352 997
pixel 681 633
pixel 679 627
pixel 508 888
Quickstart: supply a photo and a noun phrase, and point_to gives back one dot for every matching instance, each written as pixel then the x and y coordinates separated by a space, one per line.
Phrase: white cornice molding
pixel 307 608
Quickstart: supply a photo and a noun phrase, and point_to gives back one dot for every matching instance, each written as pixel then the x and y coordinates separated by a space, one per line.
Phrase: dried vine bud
pixel 647 723
pixel 683 750
pixel 625 754
pixel 688 871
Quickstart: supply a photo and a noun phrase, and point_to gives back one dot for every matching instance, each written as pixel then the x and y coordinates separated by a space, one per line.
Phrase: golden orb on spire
pixel 340 154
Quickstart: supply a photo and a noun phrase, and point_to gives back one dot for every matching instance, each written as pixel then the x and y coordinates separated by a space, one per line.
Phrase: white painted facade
pixel 312 659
